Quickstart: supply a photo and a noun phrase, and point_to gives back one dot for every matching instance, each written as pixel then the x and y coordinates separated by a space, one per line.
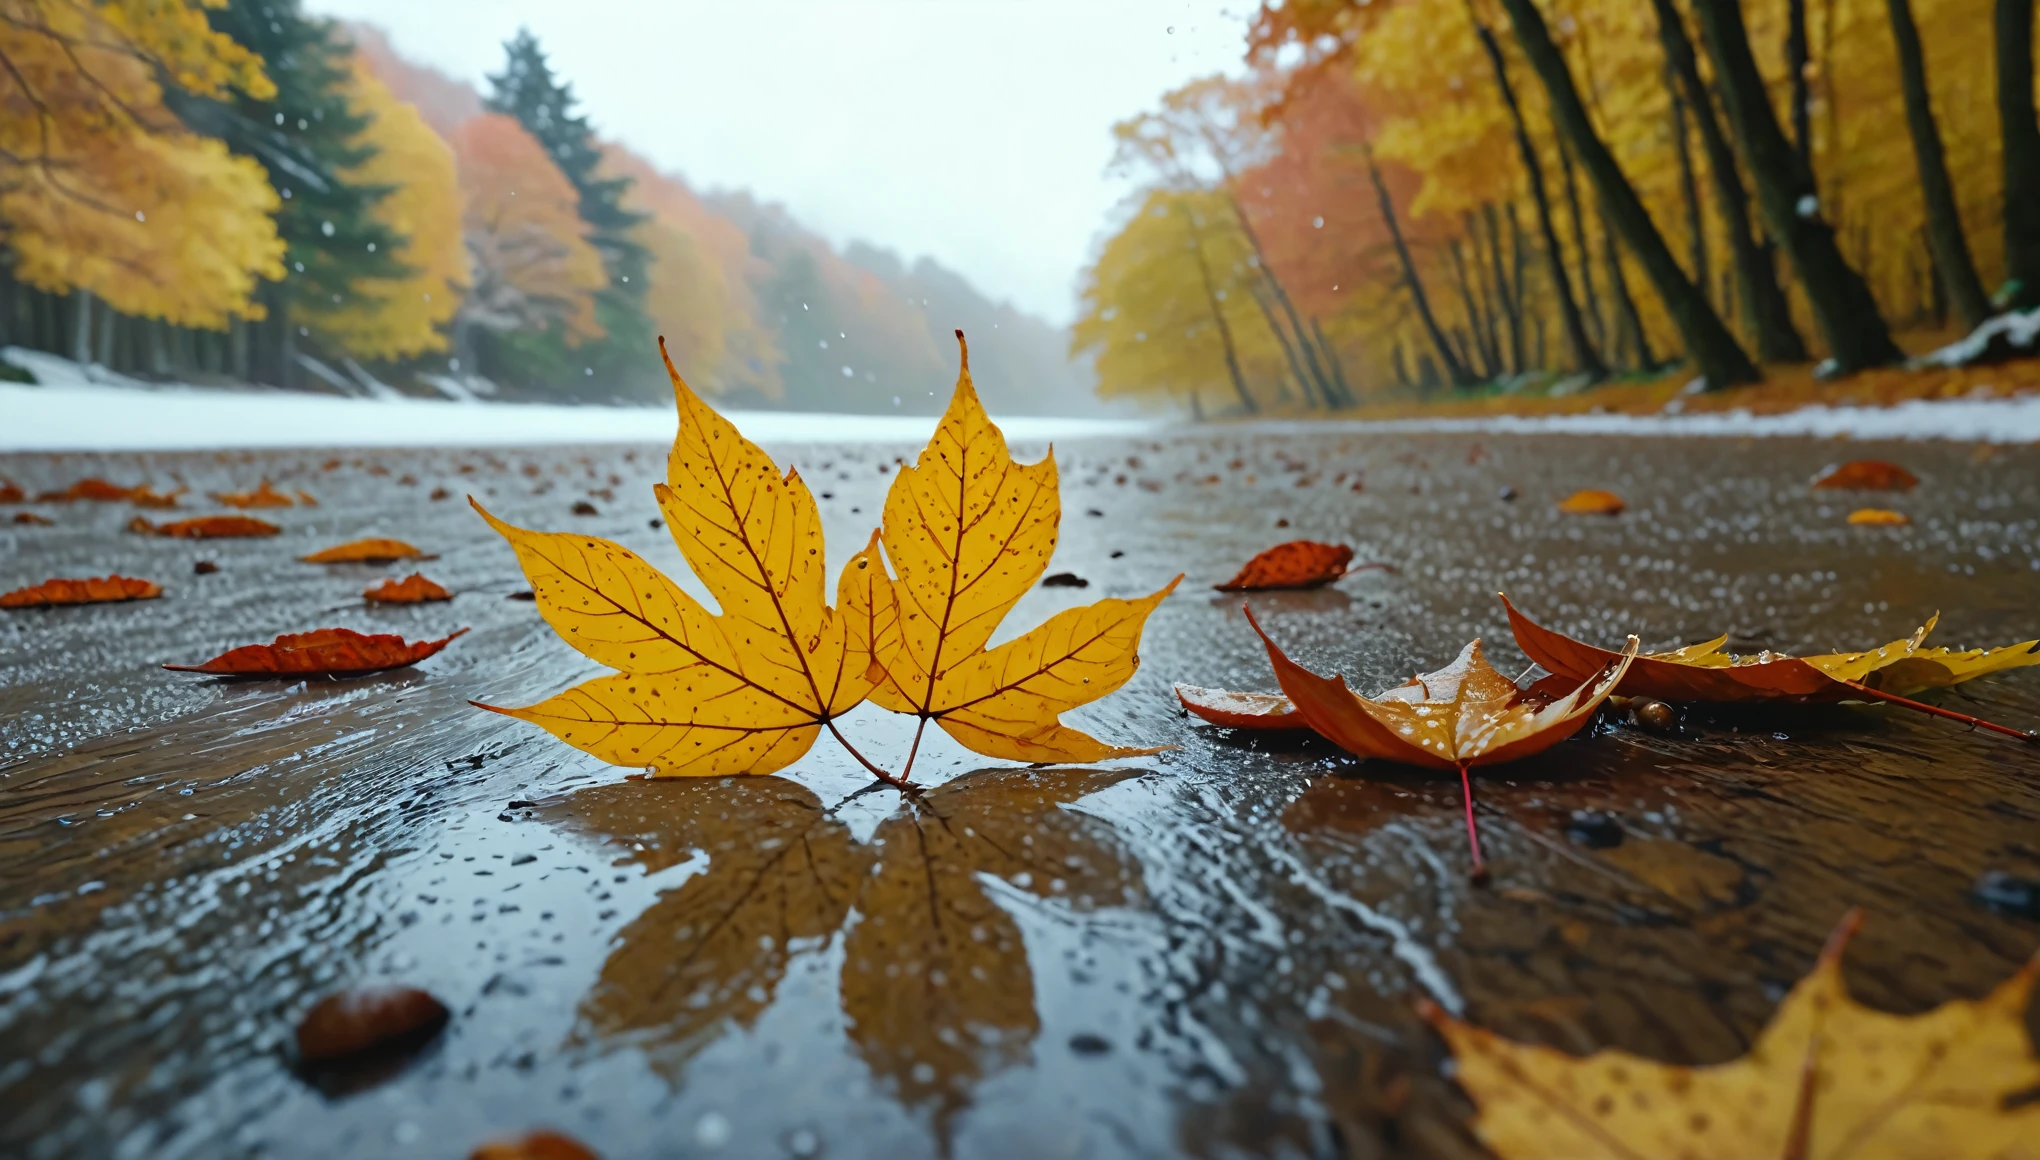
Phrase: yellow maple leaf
pixel 968 531
pixel 1828 1078
pixel 697 693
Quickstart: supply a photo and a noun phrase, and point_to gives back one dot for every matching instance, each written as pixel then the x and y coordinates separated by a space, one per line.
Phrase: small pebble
pixel 2008 894
pixel 527 594
pixel 1283 522
pixel 350 1022
pixel 1594 829
pixel 656 523
pixel 1655 716
pixel 1116 553
pixel 1094 512
pixel 1507 493
pixel 205 568
pixel 583 508
pixel 1064 580
pixel 1085 1043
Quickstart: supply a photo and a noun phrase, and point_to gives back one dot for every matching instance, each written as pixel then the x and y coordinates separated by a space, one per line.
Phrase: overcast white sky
pixel 973 131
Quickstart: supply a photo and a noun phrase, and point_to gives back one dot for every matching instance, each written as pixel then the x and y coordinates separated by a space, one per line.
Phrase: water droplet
pixel 712 1130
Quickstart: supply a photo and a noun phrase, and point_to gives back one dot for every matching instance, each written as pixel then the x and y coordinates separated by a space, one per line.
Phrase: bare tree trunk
pixel 1798 62
pixel 1455 370
pixel 1847 311
pixel 1402 367
pixel 1317 374
pixel 1714 351
pixel 1232 358
pixel 1766 312
pixel 1628 317
pixel 1289 354
pixel 1332 360
pixel 1595 318
pixel 81 327
pixel 1475 322
pixel 1689 187
pixel 2021 136
pixel 1585 358
pixel 1511 305
pixel 1944 216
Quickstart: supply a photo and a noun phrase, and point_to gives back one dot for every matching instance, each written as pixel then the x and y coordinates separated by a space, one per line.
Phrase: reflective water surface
pixel 1211 952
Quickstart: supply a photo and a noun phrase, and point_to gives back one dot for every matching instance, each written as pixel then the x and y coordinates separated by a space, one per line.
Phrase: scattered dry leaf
pixel 32 518
pixel 350 1022
pixel 1240 710
pixel 412 589
pixel 1879 517
pixel 1463 715
pixel 206 527
pixel 375 550
pixel 264 496
pixel 101 590
pixel 325 651
pixel 147 497
pixel 92 488
pixel 1868 475
pixel 1296 564
pixel 540 1145
pixel 305 498
pixel 1592 502
pixel 10 492
pixel 1828 1077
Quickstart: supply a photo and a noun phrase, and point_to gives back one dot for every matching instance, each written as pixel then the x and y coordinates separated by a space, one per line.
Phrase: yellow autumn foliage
pixel 102 189
pixel 399 317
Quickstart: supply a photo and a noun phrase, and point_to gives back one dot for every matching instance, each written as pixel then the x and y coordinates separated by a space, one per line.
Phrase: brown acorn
pixel 350 1022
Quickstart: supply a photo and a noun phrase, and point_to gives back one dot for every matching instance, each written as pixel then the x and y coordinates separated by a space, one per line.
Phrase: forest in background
pixel 237 191
pixel 1422 199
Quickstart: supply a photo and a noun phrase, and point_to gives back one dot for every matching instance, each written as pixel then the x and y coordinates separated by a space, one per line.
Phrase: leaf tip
pixel 1838 941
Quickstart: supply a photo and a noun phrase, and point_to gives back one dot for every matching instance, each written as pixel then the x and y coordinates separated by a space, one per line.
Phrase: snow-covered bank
pixel 120 418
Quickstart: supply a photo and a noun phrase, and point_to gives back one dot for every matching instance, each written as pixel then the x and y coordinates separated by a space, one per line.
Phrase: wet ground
pixel 1213 952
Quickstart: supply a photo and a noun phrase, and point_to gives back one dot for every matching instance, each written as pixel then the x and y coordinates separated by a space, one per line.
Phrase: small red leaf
pixel 326 651
pixel 1868 475
pixel 1296 564
pixel 103 590
pixel 412 589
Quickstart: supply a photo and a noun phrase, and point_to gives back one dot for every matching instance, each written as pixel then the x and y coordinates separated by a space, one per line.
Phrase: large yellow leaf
pixel 1829 1078
pixel 746 690
pixel 968 531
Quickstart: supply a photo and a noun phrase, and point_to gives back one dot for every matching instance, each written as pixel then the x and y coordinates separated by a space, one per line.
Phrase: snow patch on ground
pixel 2015 420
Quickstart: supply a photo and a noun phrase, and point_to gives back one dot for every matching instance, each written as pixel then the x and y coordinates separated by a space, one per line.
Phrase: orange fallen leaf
pixel 32 518
pixel 146 497
pixel 1592 502
pixel 1704 672
pixel 1868 475
pixel 1463 715
pixel 1879 517
pixel 305 498
pixel 539 1145
pixel 375 550
pixel 100 590
pixel 1241 710
pixel 264 496
pixel 412 589
pixel 326 651
pixel 206 527
pixel 1296 564
pixel 92 488
pixel 10 492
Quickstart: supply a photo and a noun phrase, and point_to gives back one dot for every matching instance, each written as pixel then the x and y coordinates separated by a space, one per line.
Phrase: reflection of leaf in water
pixel 936 986
pixel 935 973
pixel 780 879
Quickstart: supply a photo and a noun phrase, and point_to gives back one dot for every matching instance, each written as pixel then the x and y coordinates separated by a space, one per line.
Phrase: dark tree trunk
pixel 1944 217
pixel 1766 312
pixel 1476 322
pixel 1714 351
pixel 1288 348
pixel 1689 186
pixel 1505 294
pixel 2021 136
pixel 1798 60
pixel 1332 360
pixel 1628 317
pixel 1595 318
pixel 1455 371
pixel 1585 358
pixel 1317 373
pixel 1842 303
pixel 1402 368
pixel 1232 358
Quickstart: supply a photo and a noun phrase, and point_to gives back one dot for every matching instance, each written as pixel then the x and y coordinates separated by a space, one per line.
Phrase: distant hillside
pixel 763 312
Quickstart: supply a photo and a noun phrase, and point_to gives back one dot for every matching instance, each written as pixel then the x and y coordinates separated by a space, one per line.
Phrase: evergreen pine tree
pixel 527 90
pixel 305 136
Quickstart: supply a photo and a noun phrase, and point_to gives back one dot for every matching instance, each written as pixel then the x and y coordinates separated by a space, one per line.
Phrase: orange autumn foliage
pixel 206 528
pixel 1879 517
pixel 1868 475
pixel 92 488
pixel 1592 502
pixel 1296 564
pixel 322 652
pixel 374 550
pixel 101 590
pixel 263 496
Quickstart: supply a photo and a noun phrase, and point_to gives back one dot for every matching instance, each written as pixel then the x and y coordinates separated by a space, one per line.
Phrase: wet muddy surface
pixel 1212 952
